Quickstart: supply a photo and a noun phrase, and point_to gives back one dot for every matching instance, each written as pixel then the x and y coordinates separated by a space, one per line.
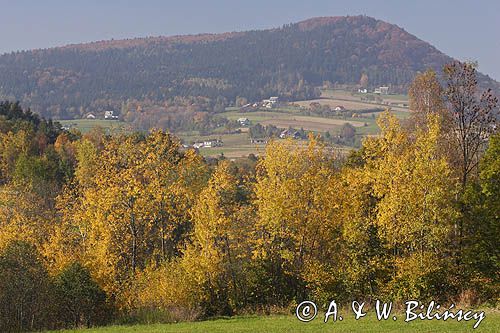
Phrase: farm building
pixel 270 103
pixel 109 115
pixel 212 143
pixel 208 144
pixel 197 145
pixel 248 107
pixel 244 121
pixel 289 133
pixel 381 90
pixel 258 141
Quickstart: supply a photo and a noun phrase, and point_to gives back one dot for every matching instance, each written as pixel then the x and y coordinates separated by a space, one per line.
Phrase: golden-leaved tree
pixel 295 230
pixel 415 191
pixel 209 276
pixel 131 210
pixel 426 98
pixel 219 242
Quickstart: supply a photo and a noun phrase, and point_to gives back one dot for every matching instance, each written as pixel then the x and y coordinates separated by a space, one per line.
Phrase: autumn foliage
pixel 135 225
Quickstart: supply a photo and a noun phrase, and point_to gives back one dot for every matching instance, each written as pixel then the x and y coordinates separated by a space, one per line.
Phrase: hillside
pixel 210 71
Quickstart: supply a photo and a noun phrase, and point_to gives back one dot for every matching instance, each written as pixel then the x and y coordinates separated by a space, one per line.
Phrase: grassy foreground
pixel 289 324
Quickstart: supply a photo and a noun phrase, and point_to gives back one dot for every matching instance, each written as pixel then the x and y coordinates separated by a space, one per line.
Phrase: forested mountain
pixel 211 70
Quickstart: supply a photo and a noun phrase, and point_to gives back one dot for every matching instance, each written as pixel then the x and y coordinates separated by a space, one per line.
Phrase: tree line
pixel 122 227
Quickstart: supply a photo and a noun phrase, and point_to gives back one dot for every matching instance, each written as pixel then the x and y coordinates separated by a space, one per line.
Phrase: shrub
pixel 81 301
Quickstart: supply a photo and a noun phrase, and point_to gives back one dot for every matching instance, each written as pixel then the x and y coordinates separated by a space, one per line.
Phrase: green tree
pixel 482 251
pixel 24 289
pixel 80 299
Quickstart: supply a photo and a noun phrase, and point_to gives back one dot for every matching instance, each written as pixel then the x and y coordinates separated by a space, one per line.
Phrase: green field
pixel 289 324
pixel 353 101
pixel 85 125
pixel 284 119
pixel 257 116
pixel 235 145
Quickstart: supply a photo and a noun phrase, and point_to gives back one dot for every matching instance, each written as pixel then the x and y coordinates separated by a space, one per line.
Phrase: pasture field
pixel 352 101
pixel 85 125
pixel 344 94
pixel 233 152
pixel 235 145
pixel 308 123
pixel 257 116
pixel 285 120
pixel 231 139
pixel 289 324
pixel 348 104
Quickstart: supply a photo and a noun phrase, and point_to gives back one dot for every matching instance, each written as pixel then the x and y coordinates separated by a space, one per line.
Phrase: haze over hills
pixel 211 71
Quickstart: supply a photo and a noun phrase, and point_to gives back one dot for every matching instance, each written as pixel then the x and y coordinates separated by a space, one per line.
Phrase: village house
pixel 290 133
pixel 247 107
pixel 244 121
pixel 90 116
pixel 258 141
pixel 197 145
pixel 381 90
pixel 270 103
pixel 109 115
pixel 208 144
pixel 212 143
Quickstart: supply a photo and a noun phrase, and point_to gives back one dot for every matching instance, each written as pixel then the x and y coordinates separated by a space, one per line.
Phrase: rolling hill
pixel 211 70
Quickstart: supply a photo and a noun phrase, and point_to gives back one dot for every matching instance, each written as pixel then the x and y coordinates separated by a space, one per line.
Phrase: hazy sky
pixel 467 30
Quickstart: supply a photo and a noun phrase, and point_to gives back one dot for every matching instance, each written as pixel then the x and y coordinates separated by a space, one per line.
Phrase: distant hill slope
pixel 290 61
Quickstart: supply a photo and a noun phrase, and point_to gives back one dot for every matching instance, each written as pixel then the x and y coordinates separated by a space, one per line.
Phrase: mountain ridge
pixel 289 61
pixel 306 24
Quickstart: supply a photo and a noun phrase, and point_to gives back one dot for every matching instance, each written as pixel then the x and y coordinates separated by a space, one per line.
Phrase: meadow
pixel 290 324
pixel 85 125
pixel 353 101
